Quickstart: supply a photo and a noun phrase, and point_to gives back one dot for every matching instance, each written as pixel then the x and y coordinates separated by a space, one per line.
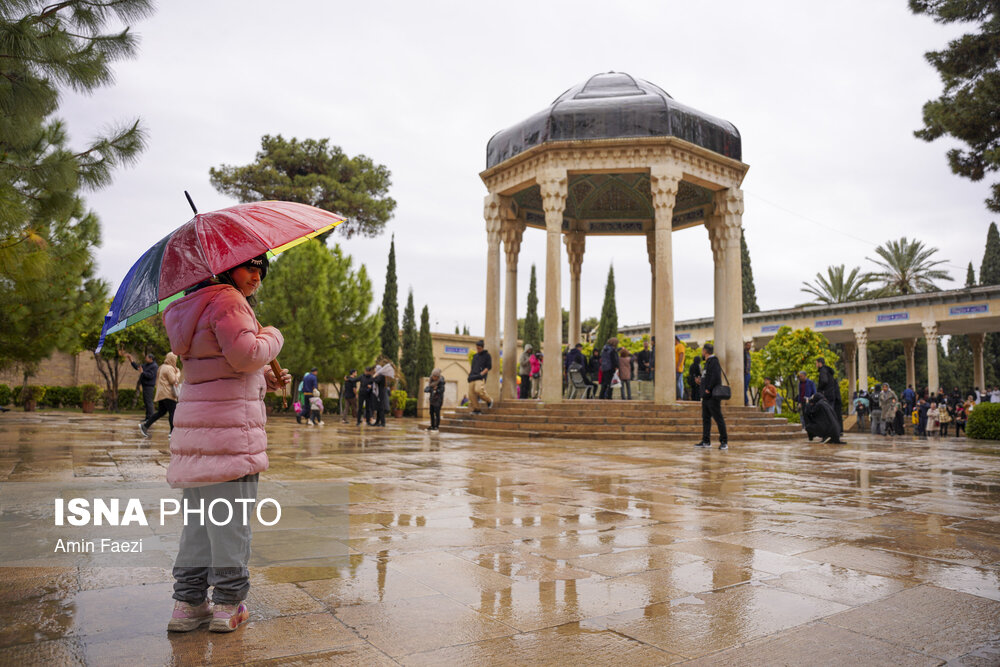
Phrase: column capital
pixel 930 332
pixel 511 232
pixel 664 180
pixel 861 337
pixel 553 186
pixel 576 244
pixel 493 213
pixel 728 202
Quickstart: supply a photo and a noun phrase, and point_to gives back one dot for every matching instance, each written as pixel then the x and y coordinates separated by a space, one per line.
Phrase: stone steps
pixel 689 436
pixel 584 422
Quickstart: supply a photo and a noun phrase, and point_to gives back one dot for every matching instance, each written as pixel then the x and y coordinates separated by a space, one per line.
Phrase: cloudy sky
pixel 826 96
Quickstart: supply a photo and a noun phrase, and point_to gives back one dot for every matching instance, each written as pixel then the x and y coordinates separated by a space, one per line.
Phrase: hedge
pixel 6 395
pixel 411 408
pixel 984 422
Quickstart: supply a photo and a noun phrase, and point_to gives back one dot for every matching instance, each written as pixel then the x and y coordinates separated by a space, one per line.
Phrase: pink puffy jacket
pixel 219 424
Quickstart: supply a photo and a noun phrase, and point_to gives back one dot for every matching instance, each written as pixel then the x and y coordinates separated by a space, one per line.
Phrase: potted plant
pixel 397 400
pixel 31 395
pixel 89 394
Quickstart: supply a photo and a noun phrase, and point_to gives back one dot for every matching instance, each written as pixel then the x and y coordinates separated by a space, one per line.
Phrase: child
pixel 316 409
pixel 933 419
pixel 945 417
pixel 435 387
pixel 219 445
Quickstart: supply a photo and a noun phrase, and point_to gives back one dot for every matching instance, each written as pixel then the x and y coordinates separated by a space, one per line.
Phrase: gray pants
pixel 216 556
pixel 877 423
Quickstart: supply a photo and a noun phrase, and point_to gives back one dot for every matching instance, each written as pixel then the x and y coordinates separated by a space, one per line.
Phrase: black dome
pixel 611 106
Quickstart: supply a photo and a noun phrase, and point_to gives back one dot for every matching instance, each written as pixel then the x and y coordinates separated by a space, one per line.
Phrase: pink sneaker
pixel 228 617
pixel 187 617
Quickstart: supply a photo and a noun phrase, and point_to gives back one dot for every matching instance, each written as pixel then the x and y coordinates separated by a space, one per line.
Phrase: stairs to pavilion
pixel 613 420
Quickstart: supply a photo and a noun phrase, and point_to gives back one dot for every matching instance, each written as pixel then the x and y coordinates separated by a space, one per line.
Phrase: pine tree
pixel 425 346
pixel 608 326
pixel 989 270
pixel 465 330
pixel 457 332
pixel 409 360
pixel 532 333
pixel 749 291
pixel 48 291
pixel 970 277
pixel 390 309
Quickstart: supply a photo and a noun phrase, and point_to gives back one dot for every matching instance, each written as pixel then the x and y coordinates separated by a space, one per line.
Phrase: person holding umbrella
pixel 219 445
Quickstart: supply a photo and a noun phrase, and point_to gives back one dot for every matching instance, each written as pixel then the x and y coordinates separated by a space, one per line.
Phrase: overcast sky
pixel 825 95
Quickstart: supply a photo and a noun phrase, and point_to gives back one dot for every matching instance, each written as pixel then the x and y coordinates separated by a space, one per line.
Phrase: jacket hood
pixel 180 319
pixel 170 359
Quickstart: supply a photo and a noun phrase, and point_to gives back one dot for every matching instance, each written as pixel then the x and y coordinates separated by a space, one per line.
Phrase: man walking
pixel 909 398
pixel 711 407
pixel 350 396
pixel 147 380
pixel 679 349
pixel 167 380
pixel 482 364
pixel 366 397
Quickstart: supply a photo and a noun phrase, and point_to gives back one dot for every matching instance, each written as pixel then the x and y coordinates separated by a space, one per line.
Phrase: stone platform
pixel 614 420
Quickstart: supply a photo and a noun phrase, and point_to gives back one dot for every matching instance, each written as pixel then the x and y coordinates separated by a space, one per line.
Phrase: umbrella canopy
pixel 207 245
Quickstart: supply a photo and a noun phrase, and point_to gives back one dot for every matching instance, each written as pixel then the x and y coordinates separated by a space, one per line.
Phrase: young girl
pixel 933 419
pixel 315 409
pixel 219 445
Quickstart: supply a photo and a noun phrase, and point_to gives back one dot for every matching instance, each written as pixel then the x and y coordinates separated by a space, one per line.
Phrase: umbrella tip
pixel 191 202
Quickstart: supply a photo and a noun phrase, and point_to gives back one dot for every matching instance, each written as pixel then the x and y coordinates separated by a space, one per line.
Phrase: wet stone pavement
pixel 478 550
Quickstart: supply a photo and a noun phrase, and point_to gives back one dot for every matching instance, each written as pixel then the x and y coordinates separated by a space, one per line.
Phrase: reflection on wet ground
pixel 474 550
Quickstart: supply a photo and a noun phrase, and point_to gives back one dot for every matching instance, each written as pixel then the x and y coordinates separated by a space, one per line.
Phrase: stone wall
pixel 69 370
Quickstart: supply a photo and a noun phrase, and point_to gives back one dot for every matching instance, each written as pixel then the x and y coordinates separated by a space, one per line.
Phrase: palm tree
pixel 907 268
pixel 835 288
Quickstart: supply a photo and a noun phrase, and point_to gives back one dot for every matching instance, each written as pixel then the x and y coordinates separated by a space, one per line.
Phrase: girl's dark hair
pixel 227 279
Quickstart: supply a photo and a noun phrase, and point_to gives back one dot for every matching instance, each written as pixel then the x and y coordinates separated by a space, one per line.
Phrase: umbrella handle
pixel 276 368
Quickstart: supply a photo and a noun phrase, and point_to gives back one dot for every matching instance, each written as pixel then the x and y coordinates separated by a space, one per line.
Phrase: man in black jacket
pixel 830 389
pixel 482 364
pixel 350 396
pixel 148 381
pixel 711 408
pixel 366 400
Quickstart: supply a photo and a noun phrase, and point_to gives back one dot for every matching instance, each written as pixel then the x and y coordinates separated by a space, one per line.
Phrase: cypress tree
pixel 970 277
pixel 390 309
pixel 408 362
pixel 465 330
pixel 608 326
pixel 989 270
pixel 749 291
pixel 425 346
pixel 532 334
pixel 457 332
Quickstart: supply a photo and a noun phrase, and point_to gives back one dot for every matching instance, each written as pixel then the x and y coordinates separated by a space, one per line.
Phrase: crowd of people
pixel 883 412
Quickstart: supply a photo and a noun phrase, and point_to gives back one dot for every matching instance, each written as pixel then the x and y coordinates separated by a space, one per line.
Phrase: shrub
pixel 411 408
pixel 125 398
pixel 792 417
pixel 397 400
pixel 984 422
pixel 31 392
pixel 6 395
pixel 62 397
pixel 90 393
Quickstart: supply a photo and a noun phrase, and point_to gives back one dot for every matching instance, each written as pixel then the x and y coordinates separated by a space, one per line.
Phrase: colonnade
pixel 503 226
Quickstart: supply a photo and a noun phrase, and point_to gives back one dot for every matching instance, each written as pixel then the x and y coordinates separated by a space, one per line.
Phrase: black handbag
pixel 722 392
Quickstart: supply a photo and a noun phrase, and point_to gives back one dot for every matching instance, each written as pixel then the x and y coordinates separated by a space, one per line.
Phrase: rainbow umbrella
pixel 206 245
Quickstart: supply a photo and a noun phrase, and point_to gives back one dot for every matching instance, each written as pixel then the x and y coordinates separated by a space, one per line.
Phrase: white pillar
pixel 511 232
pixel 724 229
pixel 931 334
pixel 651 254
pixel 552 183
pixel 576 243
pixel 663 183
pixel 977 342
pixel 850 363
pixel 491 335
pixel 861 340
pixel 909 352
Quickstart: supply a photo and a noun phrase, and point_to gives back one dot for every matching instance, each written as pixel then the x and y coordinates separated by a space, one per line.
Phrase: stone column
pixel 552 183
pixel 931 334
pixel 663 183
pixel 511 232
pixel 977 342
pixel 861 340
pixel 493 213
pixel 651 253
pixel 909 351
pixel 850 363
pixel 576 243
pixel 724 230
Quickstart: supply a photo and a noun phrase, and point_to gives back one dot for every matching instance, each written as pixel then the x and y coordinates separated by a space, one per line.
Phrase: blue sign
pixel 969 310
pixel 451 349
pixel 822 324
pixel 892 317
pixel 686 336
pixel 770 328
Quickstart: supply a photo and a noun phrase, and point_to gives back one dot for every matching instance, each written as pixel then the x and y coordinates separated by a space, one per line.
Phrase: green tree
pixel 989 269
pixel 389 336
pixel 465 330
pixel 589 324
pixel 425 346
pixel 608 326
pixel 532 334
pixel 959 374
pixel 457 332
pixel 970 277
pixel 144 337
pixel 409 359
pixel 970 72
pixel 48 292
pixel 834 287
pixel 315 173
pixel 791 351
pixel 749 291
pixel 906 267
pixel 328 325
